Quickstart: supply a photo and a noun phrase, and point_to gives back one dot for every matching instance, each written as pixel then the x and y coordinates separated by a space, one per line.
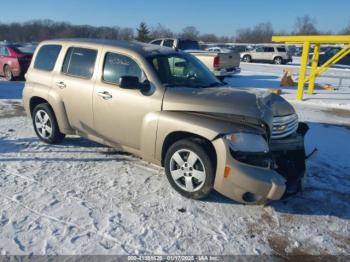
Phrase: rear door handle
pixel 61 85
pixel 105 95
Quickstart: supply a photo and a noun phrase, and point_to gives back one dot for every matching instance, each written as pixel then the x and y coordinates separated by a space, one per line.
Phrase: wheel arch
pixel 277 56
pixel 175 136
pixel 58 110
pixel 34 101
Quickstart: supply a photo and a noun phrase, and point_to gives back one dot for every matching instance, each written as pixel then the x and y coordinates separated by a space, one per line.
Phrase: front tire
pixel 45 124
pixel 189 169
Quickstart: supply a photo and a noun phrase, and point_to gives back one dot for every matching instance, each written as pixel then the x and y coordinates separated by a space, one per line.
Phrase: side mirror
pixel 129 82
pixel 132 82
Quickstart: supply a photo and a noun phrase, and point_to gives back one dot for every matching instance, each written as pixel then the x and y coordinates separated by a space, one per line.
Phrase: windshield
pixel 182 70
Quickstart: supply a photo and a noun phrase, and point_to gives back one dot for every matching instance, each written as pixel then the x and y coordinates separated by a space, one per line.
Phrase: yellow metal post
pixel 316 71
pixel 313 71
pixel 302 72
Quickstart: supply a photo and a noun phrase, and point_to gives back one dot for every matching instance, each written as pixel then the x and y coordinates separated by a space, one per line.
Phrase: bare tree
pixel 190 32
pixel 38 30
pixel 209 38
pixel 305 25
pixel 346 30
pixel 160 31
pixel 261 33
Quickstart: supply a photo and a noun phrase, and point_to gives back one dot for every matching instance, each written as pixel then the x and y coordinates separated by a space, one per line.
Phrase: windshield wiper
pixel 215 84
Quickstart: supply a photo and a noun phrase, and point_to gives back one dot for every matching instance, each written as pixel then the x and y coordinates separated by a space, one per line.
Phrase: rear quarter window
pixel 79 62
pixel 46 57
pixel 281 49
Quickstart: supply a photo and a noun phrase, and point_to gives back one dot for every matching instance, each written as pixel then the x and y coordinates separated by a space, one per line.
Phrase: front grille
pixel 284 126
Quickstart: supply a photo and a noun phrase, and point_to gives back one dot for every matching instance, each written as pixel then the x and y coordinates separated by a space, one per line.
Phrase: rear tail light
pixel 216 63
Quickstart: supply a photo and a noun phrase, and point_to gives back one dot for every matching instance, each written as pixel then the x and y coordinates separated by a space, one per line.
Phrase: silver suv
pixel 271 54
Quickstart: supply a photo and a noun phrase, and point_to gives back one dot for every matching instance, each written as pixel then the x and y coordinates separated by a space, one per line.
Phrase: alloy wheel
pixel 187 170
pixel 43 124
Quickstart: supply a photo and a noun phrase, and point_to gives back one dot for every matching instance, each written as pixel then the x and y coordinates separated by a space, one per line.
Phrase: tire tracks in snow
pixel 70 224
pixel 91 227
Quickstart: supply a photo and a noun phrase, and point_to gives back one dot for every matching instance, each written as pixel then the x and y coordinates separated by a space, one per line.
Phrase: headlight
pixel 247 142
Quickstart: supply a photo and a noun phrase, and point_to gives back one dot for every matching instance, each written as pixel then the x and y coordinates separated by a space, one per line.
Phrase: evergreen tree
pixel 143 33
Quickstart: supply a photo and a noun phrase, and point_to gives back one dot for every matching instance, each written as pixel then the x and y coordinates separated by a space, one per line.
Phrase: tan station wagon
pixel 167 107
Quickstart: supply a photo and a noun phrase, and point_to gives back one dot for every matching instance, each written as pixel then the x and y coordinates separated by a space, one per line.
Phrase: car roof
pixel 143 49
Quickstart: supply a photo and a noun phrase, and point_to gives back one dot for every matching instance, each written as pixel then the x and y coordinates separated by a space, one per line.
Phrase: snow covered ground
pixel 83 198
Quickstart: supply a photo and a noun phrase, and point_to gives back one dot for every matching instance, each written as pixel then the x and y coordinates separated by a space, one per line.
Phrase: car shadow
pixel 25 145
pixel 326 190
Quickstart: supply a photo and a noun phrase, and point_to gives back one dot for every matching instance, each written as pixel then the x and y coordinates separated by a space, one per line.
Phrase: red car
pixel 14 62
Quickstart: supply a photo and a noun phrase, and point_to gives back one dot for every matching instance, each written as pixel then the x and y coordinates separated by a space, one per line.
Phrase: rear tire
pixel 7 73
pixel 189 169
pixel 278 60
pixel 247 59
pixel 45 124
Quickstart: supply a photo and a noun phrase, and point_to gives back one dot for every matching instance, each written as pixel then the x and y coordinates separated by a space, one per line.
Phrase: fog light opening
pixel 250 197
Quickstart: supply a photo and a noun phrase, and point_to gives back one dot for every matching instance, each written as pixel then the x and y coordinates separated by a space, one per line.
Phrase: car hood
pixel 253 107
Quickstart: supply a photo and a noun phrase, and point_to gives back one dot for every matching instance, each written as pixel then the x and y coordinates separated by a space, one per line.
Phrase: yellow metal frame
pixel 315 71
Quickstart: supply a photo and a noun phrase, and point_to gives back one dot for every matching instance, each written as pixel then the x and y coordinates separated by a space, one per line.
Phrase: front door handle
pixel 105 95
pixel 61 85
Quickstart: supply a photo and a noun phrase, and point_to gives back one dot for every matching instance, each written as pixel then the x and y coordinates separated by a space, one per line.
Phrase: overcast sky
pixel 222 17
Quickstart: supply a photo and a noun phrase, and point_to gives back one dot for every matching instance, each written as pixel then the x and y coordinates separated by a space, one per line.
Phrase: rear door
pixel 75 85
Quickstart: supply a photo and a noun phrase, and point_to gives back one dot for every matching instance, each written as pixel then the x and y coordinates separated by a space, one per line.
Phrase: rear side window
pixel 116 66
pixel 281 49
pixel 79 62
pixel 188 45
pixel 46 57
pixel 269 49
pixel 168 43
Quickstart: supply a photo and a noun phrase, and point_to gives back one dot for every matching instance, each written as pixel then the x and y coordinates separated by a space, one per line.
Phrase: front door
pixel 120 115
pixel 258 54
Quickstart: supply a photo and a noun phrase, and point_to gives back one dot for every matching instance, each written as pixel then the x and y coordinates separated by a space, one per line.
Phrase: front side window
pixel 116 66
pixel 259 49
pixel 182 70
pixel 79 62
pixel 46 57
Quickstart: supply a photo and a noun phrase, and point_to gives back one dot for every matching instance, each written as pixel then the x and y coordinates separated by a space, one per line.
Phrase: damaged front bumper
pixel 253 179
